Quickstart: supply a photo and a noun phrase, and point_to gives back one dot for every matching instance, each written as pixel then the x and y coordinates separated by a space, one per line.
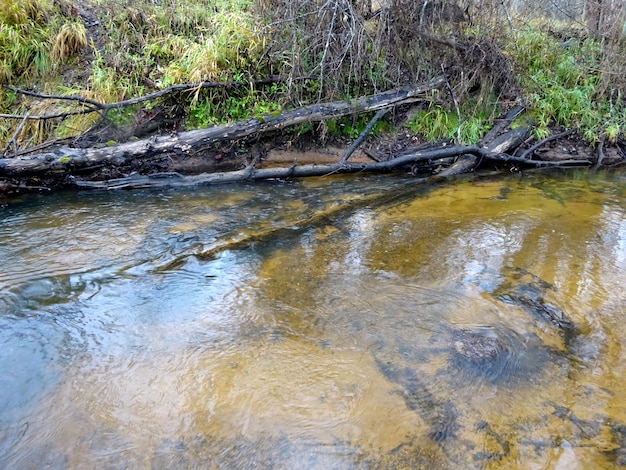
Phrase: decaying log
pixel 498 145
pixel 501 125
pixel 66 163
pixel 185 143
pixel 464 164
pixel 250 173
pixel 294 171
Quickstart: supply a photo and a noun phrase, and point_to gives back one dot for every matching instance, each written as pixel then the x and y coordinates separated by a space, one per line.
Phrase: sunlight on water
pixel 472 325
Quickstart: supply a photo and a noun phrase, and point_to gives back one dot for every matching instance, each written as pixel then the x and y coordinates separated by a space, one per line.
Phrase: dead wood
pixel 363 135
pixel 464 164
pixel 294 171
pixel 497 146
pixel 67 159
pixel 91 106
pixel 528 153
pixel 501 125
pixel 494 153
pixel 600 156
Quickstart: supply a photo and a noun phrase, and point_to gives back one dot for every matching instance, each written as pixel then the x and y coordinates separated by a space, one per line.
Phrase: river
pixel 478 324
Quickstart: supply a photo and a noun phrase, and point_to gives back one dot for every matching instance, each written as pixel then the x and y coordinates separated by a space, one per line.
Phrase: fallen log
pixel 168 180
pixel 68 159
pixel 497 145
pixel 294 171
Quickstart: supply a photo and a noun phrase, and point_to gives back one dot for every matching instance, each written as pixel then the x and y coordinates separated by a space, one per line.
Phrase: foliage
pixel 24 39
pixel 216 109
pixel 327 50
pixel 561 86
pixel 435 122
pixel 351 127
pixel 70 40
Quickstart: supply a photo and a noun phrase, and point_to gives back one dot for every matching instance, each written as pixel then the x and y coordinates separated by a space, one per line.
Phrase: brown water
pixel 474 325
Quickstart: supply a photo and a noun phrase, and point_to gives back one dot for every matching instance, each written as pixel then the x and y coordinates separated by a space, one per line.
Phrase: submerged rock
pixel 495 355
pixel 528 291
pixel 476 348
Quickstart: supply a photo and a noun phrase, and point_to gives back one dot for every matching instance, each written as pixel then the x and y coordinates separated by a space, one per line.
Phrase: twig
pixel 501 157
pixel 13 137
pixel 80 99
pixel 95 106
pixel 600 153
pixel 42 146
pixel 48 116
pixel 363 135
pixel 456 105
pixel 326 47
pixel 527 153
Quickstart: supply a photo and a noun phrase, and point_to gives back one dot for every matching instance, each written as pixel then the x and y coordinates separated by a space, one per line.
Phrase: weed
pixel 560 88
pixel 436 123
pixel 70 40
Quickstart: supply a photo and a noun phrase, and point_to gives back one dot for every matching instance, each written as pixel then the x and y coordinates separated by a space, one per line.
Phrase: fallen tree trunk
pixel 294 171
pixel 495 152
pixel 67 159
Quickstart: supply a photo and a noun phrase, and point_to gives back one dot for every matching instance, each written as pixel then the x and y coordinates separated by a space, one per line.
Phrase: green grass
pixel 144 45
pixel 561 86
pixel 435 122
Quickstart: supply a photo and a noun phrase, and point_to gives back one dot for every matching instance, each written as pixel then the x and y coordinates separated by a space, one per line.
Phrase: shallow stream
pixel 335 323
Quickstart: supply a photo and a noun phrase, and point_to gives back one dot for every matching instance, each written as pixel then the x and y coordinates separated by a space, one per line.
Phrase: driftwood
pixel 67 159
pixel 496 147
pixel 251 173
pixel 71 165
pixel 294 171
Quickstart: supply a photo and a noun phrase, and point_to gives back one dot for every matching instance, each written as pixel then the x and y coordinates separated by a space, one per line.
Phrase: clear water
pixel 330 323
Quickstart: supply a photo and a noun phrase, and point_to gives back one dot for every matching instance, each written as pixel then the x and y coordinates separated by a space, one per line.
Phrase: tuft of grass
pixel 20 12
pixel 213 108
pixel 70 40
pixel 435 123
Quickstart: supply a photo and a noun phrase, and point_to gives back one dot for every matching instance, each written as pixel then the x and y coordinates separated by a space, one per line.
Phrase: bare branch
pixel 13 137
pixel 456 104
pixel 363 135
pixel 526 155
pixel 95 106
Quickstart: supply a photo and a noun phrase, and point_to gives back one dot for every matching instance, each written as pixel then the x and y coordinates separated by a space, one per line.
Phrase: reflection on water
pixel 475 325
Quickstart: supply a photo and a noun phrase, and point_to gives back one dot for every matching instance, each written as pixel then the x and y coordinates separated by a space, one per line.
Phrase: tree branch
pixel 363 135
pixel 96 106
pixel 186 143
pixel 527 154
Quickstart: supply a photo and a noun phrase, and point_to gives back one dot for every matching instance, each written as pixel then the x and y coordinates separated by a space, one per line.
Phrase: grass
pixel 561 85
pixel 144 45
pixel 435 122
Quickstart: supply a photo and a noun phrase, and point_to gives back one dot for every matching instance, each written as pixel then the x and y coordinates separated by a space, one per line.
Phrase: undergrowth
pixel 110 50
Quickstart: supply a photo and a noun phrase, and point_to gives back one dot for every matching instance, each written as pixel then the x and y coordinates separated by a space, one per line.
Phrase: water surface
pixel 373 323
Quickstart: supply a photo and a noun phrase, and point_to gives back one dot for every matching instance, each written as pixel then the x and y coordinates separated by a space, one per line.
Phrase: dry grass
pixel 70 40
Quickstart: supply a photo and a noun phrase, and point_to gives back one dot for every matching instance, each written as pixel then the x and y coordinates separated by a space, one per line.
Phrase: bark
pixel 294 171
pixel 494 153
pixel 497 145
pixel 67 159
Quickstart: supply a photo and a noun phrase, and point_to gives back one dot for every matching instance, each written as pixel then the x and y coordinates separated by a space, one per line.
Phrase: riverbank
pixel 80 75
